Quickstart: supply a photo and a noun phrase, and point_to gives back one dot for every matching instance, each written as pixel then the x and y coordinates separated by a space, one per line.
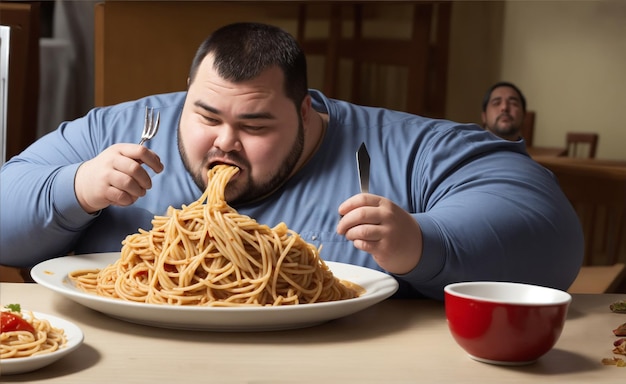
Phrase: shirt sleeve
pixel 492 214
pixel 40 215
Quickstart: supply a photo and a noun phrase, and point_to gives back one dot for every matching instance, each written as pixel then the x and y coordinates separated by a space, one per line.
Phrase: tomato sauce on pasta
pixel 24 335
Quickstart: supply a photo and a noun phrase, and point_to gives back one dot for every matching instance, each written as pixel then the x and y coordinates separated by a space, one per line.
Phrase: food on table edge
pixel 619 344
pixel 618 306
pixel 620 330
pixel 618 362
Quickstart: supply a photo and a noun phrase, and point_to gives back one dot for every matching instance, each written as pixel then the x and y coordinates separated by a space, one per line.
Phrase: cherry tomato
pixel 10 322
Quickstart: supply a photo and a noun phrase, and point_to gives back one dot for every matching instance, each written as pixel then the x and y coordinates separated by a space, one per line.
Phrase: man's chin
pixel 234 192
pixel 505 129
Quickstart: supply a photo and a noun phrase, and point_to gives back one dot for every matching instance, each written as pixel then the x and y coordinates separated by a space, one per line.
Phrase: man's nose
pixel 228 139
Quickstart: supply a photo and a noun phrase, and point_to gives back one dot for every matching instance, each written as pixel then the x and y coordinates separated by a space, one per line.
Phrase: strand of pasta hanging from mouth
pixel 207 253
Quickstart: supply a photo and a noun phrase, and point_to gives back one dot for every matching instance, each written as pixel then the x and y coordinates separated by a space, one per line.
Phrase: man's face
pixel 504 114
pixel 252 125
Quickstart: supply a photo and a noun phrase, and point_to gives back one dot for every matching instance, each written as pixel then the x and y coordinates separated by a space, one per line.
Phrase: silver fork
pixel 150 125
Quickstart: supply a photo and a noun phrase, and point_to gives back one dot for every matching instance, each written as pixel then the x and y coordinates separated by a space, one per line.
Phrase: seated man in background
pixel 504 108
pixel 447 203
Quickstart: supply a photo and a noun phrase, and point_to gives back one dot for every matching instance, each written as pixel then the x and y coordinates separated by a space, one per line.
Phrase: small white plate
pixel 53 274
pixel 74 336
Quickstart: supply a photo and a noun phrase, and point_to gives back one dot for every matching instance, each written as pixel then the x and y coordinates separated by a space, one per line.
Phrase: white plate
pixel 53 274
pixel 26 364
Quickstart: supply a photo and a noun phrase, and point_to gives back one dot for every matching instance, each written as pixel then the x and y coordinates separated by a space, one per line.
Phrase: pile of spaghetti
pixel 208 254
pixel 24 336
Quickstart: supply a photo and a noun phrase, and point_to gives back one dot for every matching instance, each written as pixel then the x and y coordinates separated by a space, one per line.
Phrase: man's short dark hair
pixel 243 50
pixel 503 84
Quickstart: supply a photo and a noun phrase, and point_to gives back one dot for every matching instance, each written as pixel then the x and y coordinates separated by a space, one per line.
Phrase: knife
pixel 363 164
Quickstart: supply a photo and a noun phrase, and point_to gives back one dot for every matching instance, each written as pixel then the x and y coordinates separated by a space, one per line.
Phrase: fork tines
pixel 151 125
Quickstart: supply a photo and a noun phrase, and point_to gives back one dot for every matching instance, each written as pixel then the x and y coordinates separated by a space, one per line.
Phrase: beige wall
pixel 568 57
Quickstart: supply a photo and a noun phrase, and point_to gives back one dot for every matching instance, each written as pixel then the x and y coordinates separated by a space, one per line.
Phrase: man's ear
pixel 483 116
pixel 306 108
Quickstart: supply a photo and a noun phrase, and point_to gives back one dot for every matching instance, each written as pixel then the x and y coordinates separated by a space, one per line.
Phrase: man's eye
pixel 253 128
pixel 210 120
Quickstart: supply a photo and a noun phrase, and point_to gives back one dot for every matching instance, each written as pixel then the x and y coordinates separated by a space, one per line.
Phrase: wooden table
pixel 577 161
pixel 546 151
pixel 396 341
pixel 599 279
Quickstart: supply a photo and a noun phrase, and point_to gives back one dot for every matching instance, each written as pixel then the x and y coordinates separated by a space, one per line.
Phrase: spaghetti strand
pixel 206 253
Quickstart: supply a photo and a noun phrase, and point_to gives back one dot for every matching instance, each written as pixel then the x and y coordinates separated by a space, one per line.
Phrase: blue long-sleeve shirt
pixel 487 211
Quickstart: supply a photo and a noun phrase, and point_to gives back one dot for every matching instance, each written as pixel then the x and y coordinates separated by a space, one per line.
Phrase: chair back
pixel 581 144
pixel 415 65
pixel 528 127
pixel 345 62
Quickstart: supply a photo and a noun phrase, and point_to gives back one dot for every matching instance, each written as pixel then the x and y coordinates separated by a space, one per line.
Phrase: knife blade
pixel 363 165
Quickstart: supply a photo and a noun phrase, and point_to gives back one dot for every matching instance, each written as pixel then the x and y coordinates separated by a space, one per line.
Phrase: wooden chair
pixel 598 194
pixel 355 66
pixel 600 279
pixel 416 64
pixel 12 274
pixel 528 127
pixel 581 144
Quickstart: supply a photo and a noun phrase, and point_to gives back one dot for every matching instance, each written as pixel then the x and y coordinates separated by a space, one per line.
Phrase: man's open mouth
pixel 216 163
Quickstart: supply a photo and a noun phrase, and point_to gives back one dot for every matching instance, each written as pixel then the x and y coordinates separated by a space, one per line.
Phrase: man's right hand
pixel 115 177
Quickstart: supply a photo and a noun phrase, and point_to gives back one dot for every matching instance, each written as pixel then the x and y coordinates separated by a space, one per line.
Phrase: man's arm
pixel 39 215
pixel 499 218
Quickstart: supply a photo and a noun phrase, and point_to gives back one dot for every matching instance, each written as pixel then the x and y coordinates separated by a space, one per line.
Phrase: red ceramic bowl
pixel 505 323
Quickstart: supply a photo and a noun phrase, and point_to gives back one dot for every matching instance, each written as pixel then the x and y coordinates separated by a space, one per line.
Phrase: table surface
pixel 595 162
pixel 546 151
pixel 396 341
